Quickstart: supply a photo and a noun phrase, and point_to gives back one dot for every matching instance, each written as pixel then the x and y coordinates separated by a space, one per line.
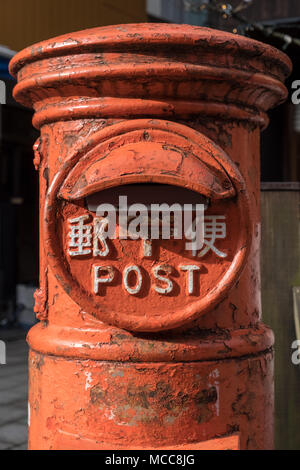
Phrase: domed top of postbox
pixel 179 69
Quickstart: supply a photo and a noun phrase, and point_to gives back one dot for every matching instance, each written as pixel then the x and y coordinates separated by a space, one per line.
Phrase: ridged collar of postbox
pixel 157 70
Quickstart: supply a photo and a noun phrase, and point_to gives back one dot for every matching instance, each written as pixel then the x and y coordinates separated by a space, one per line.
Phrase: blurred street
pixel 13 391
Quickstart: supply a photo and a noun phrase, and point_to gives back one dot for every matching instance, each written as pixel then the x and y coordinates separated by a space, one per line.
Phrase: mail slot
pixel 150 332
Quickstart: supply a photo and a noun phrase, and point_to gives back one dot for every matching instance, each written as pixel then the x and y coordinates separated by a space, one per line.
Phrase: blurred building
pixel 24 22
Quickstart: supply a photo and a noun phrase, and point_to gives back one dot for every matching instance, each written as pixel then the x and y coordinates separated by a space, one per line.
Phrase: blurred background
pixel 24 22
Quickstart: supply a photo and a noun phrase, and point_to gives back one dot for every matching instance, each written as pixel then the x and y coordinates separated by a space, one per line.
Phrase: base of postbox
pixel 85 404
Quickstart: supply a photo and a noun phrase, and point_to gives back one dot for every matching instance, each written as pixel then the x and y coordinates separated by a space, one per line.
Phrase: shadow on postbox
pixel 148 227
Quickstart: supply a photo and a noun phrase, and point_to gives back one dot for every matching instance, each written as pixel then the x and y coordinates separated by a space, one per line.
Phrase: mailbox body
pixel 112 365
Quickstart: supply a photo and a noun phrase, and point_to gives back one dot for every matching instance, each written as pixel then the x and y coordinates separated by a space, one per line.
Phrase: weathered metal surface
pixel 140 336
pixel 119 405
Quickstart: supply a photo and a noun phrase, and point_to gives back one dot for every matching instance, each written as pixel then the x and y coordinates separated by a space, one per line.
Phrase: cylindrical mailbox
pixel 150 341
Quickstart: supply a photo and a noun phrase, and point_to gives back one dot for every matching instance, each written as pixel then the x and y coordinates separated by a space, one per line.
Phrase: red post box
pixel 151 341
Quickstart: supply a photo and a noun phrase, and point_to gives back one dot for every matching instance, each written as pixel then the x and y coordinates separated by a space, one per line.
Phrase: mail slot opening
pixel 147 194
